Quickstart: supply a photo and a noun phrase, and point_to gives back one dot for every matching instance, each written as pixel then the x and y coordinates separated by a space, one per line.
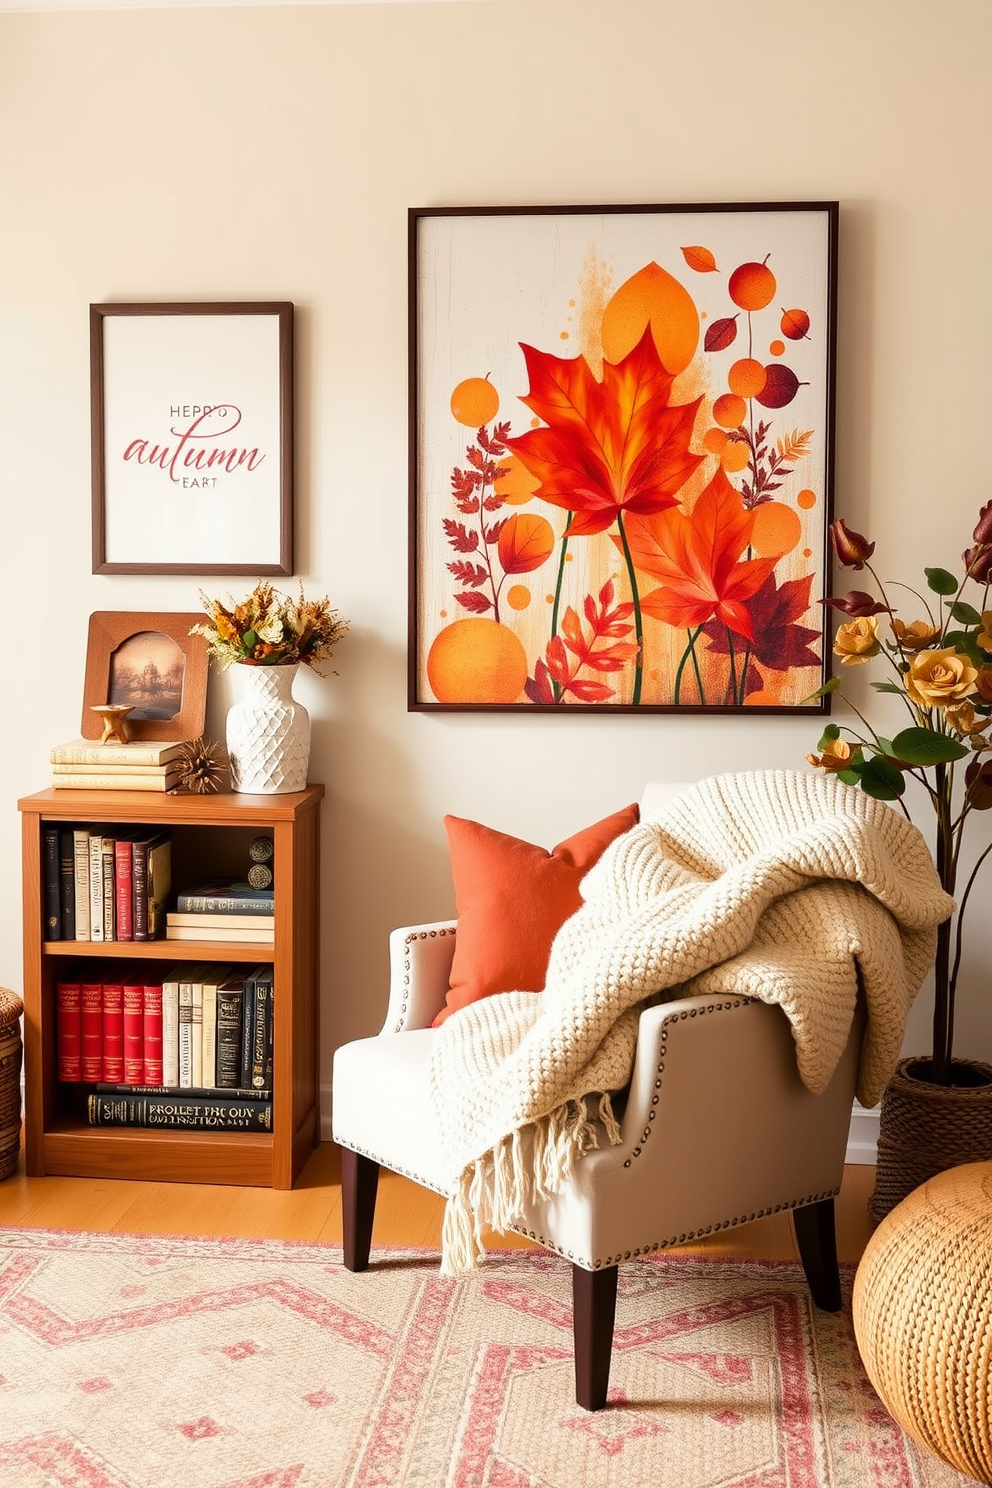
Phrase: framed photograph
pixel 147 660
pixel 192 438
pixel 621 457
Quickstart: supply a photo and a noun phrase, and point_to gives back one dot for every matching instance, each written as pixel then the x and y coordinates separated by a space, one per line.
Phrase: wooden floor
pixel 405 1213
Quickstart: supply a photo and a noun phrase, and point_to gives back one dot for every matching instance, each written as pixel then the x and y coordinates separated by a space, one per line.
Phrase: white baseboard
pixel 862 1140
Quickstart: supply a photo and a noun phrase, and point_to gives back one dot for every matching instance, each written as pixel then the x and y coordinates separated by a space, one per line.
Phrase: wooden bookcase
pixel 210 836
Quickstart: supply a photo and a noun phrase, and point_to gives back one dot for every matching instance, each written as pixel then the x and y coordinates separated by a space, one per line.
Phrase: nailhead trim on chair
pixel 726 1224
pixel 588 1265
pixel 713 1007
pixel 393 1167
pixel 408 967
pixel 683 1239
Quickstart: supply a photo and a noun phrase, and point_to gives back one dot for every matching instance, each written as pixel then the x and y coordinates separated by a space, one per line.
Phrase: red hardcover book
pixel 91 1028
pixel 123 889
pixel 69 1032
pixel 153 1033
pixel 113 1033
pixel 134 1028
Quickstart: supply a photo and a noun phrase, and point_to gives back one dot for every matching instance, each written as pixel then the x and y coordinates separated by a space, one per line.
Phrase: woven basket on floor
pixel 923 1316
pixel 11 1008
pixel 925 1128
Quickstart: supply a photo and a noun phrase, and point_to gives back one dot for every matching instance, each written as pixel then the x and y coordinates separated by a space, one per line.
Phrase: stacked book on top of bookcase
pixel 224 910
pixel 190 1046
pixel 142 765
pixel 105 882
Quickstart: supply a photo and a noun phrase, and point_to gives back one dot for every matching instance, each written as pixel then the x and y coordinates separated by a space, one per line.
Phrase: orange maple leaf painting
pixel 606 447
pixel 698 558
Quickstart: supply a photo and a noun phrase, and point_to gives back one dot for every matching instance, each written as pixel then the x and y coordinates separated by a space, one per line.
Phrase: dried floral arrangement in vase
pixel 268 636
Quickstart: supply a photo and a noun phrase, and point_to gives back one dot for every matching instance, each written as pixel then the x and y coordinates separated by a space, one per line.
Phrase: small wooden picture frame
pixel 149 659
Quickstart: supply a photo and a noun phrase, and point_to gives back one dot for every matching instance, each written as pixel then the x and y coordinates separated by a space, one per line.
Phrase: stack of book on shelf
pixel 224 910
pixel 143 765
pixel 105 883
pixel 188 1047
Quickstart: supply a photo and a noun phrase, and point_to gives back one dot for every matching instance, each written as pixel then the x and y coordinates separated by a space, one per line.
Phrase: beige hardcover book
pixel 110 767
pixel 96 885
pixel 81 862
pixel 170 1026
pixel 142 753
pixel 208 1036
pixel 193 920
pixel 196 1074
pixel 121 781
pixel 220 933
pixel 190 975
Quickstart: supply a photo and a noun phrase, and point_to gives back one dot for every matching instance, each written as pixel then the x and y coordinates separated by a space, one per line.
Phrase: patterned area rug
pixel 139 1362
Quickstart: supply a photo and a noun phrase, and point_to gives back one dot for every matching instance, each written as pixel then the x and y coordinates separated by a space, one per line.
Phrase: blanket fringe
pixel 493 1190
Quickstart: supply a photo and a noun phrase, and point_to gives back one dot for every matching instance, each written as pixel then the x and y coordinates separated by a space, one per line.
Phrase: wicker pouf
pixel 11 1009
pixel 923 1316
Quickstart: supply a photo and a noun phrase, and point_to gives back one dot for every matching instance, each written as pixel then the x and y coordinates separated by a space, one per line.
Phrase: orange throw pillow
pixel 511 899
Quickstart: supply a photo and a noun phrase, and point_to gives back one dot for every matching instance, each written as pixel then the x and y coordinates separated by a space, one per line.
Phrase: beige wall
pixel 272 153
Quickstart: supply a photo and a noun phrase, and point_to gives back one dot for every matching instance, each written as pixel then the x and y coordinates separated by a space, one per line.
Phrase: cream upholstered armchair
pixel 717 1130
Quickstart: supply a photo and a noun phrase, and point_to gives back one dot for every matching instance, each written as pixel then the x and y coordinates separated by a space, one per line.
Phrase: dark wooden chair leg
pixel 817 1241
pixel 594 1303
pixel 359 1183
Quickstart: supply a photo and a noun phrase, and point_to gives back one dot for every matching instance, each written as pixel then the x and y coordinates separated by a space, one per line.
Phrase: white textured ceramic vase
pixel 268 733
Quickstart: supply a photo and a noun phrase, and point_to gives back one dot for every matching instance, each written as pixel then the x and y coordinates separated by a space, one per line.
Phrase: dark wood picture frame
pixel 507 296
pixel 109 631
pixel 149 470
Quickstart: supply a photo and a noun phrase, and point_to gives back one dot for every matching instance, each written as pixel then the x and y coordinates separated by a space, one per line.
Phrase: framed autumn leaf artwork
pixel 621 443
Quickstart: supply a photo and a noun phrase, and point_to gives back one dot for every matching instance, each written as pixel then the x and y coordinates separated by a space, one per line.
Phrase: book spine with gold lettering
pixel 180 1111
pixel 69 1031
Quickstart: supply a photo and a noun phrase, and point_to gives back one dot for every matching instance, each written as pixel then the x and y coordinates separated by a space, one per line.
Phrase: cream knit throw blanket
pixel 774 884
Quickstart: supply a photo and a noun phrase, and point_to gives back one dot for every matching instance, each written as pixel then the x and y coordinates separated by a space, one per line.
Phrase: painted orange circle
pixel 476 661
pixel 729 410
pixel 474 402
pixel 762 699
pixel 777 529
pixel 746 377
pixel 752 286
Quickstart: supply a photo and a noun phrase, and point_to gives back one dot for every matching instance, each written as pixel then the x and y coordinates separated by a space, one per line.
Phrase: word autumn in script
pixel 192 453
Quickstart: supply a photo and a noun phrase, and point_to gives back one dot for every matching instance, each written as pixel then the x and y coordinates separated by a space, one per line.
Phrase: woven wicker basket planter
pixel 922 1311
pixel 11 1008
pixel 925 1129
